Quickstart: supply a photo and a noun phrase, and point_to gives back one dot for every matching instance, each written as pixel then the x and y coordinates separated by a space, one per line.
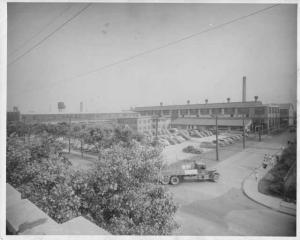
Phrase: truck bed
pixel 179 172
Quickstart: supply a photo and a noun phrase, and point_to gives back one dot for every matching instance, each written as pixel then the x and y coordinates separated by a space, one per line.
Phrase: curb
pixel 261 203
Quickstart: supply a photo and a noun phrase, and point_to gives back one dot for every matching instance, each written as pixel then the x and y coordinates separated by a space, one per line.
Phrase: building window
pixel 204 111
pixel 229 111
pixel 166 112
pixel 216 111
pixel 243 110
pixel 183 111
pixel 259 111
pixel 193 111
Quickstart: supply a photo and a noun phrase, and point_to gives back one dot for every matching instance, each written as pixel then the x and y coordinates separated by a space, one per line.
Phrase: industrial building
pixel 142 124
pixel 146 124
pixel 231 115
pixel 76 117
pixel 287 116
pixel 252 115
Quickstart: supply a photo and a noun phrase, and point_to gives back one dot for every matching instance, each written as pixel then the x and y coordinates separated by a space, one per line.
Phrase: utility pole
pixel 244 137
pixel 217 141
pixel 69 135
pixel 259 128
pixel 156 126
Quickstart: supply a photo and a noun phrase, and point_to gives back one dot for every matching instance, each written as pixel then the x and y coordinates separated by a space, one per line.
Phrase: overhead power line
pixel 157 48
pixel 40 31
pixel 50 34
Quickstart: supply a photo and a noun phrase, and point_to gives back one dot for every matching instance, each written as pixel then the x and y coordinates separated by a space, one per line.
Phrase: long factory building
pixel 231 116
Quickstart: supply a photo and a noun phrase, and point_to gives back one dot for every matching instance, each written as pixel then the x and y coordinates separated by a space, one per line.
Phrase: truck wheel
pixel 165 180
pixel 174 180
pixel 216 177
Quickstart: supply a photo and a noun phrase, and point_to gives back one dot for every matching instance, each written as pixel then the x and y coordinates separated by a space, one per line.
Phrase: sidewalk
pixel 250 188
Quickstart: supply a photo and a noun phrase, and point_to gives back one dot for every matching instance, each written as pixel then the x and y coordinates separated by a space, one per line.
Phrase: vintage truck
pixel 195 171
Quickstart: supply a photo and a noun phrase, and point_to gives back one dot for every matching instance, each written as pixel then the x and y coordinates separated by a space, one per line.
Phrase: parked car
pixel 207 145
pixel 201 135
pixel 230 140
pixel 185 136
pixel 194 134
pixel 164 142
pixel 171 141
pixel 175 139
pixel 181 139
pixel 221 143
pixel 173 130
pixel 205 134
pixel 209 133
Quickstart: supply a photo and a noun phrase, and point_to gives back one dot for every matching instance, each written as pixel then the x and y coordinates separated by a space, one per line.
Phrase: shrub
pixel 192 149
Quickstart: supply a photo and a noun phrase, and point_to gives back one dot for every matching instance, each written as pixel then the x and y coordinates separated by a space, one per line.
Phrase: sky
pixel 84 59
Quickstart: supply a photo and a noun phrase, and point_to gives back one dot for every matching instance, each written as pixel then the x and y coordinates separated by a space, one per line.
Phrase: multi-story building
pixel 232 115
pixel 77 117
pixel 145 124
pixel 287 116
pixel 133 120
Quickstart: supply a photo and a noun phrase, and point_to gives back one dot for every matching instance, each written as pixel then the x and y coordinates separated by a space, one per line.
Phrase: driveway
pixel 217 209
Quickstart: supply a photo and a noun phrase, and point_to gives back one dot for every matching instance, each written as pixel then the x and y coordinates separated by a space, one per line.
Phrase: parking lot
pixel 173 154
pixel 221 208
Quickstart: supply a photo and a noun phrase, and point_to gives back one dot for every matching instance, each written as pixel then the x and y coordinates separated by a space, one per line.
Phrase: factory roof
pixel 201 106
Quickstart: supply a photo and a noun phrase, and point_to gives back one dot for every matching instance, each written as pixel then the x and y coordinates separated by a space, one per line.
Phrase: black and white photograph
pixel 149 118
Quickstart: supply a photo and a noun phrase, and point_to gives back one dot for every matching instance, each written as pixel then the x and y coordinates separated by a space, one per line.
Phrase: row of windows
pixel 204 111
pixel 274 110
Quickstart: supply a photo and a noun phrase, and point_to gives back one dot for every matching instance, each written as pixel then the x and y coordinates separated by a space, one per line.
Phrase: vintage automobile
pixel 196 171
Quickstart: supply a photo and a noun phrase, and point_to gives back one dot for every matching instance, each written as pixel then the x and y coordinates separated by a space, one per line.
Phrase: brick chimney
pixel 228 100
pixel 206 101
pixel 161 103
pixel 188 102
pixel 255 98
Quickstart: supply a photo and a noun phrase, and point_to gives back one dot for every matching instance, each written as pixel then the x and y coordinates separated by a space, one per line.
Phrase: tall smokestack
pixel 244 89
pixel 81 107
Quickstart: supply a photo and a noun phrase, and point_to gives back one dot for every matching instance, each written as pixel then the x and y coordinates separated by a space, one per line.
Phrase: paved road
pixel 216 209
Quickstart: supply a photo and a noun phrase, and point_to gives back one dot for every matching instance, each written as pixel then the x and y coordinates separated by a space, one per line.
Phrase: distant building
pixel 76 117
pixel 13 116
pixel 145 124
pixel 286 114
pixel 210 123
pixel 189 115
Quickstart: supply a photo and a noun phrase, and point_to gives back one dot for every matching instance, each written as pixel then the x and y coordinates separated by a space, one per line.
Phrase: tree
pixel 99 137
pixel 123 195
pixel 80 132
pixel 42 176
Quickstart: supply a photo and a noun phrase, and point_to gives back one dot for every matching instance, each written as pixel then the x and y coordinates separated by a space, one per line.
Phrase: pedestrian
pixel 265 161
pixel 256 175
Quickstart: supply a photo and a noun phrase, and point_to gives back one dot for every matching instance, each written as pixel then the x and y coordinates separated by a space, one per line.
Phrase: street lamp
pixel 244 137
pixel 217 140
